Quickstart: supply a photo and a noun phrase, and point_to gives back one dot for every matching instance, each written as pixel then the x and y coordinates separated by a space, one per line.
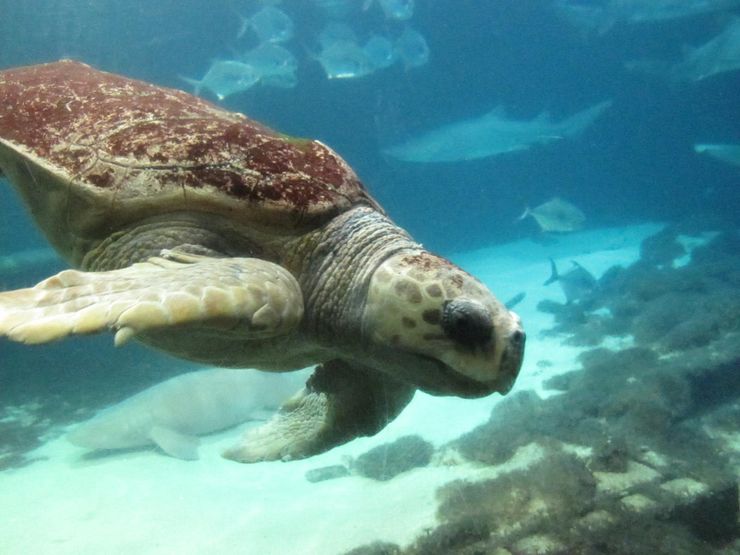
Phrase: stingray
pixel 556 215
pixel 491 134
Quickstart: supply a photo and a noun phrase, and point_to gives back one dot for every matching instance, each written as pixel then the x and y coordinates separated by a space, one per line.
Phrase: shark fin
pixel 175 444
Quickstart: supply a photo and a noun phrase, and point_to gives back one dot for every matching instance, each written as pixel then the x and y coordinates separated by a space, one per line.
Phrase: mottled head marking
pixel 456 320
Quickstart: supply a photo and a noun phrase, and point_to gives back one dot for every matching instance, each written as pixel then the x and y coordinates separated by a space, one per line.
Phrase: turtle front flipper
pixel 341 401
pixel 258 297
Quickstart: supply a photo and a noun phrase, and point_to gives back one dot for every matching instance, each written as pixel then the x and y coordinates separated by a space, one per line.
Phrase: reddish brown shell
pixel 129 144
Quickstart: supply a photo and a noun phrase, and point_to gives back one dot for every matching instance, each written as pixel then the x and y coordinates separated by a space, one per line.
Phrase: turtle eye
pixel 467 322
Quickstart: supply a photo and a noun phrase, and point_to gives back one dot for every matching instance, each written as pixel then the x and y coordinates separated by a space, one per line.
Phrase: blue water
pixel 634 165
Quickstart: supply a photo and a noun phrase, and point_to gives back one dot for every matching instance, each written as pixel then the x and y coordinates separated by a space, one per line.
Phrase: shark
pixel 491 134
pixel 172 414
pixel 602 17
pixel 728 153
pixel 720 54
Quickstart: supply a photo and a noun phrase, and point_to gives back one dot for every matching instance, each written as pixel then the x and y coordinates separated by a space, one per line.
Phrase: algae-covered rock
pixel 552 491
pixel 465 535
pixel 376 548
pixel 388 460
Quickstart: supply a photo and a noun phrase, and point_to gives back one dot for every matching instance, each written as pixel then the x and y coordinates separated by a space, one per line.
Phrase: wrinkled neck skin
pixel 374 296
pixel 334 265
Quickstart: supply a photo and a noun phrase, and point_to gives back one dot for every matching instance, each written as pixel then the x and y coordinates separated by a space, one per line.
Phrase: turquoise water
pixel 632 438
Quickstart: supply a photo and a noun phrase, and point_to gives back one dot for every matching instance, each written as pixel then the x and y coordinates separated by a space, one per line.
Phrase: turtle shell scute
pixel 134 139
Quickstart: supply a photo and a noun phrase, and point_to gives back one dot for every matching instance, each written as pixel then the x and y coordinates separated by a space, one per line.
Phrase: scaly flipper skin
pixel 174 289
pixel 341 401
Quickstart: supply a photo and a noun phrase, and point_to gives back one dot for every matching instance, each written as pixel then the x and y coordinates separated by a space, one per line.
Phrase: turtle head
pixel 444 330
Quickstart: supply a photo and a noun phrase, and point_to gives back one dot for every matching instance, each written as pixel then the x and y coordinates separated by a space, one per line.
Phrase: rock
pixel 661 248
pixel 711 514
pixel 453 537
pixel 610 455
pixel 376 548
pixel 387 461
pixel 327 473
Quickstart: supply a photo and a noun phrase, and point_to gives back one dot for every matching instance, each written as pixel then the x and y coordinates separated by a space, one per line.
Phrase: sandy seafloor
pixel 144 502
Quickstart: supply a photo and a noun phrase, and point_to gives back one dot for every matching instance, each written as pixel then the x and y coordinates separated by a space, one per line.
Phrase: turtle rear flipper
pixel 340 402
pixel 258 297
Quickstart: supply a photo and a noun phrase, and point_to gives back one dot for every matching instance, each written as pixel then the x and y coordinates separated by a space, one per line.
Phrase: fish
pixel 398 10
pixel 345 60
pixel 412 48
pixel 173 413
pixel 515 300
pixel 337 9
pixel 491 134
pixel 225 78
pixel 729 153
pixel 556 215
pixel 720 54
pixel 577 284
pixel 601 18
pixel 379 50
pixel 270 24
pixel 334 33
pixel 281 80
pixel 273 63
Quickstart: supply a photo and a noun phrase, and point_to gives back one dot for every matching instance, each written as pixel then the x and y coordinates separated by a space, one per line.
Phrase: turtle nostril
pixel 467 322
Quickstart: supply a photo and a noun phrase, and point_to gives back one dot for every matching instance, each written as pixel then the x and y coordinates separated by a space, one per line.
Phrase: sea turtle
pixel 209 236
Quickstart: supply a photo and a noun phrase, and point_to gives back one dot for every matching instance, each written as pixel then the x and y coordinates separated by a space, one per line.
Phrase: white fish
pixel 226 77
pixel 412 48
pixel 334 33
pixel 556 216
pixel 399 10
pixel 337 9
pixel 270 24
pixel 491 134
pixel 281 80
pixel 729 153
pixel 379 50
pixel 271 61
pixel 173 413
pixel 345 60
